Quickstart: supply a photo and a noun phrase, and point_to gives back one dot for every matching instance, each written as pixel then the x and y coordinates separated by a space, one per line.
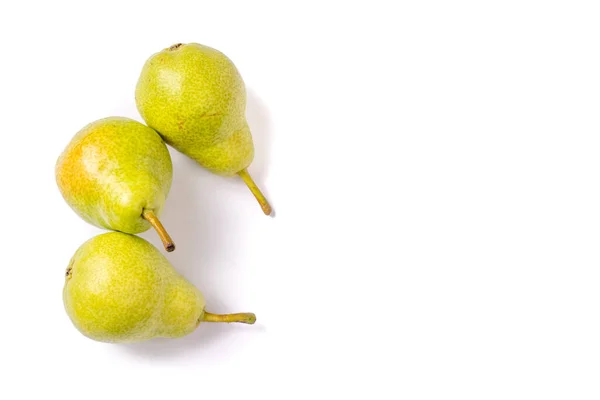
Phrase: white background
pixel 434 168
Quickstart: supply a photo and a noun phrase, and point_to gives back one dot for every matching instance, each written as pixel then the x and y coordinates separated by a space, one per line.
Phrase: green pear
pixel 120 289
pixel 116 174
pixel 195 98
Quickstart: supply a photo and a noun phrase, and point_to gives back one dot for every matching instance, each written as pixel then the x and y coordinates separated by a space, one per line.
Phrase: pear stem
pixel 262 200
pixel 244 318
pixel 160 229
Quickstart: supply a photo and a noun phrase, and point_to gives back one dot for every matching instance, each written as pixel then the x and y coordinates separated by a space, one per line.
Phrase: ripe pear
pixel 195 98
pixel 120 289
pixel 116 174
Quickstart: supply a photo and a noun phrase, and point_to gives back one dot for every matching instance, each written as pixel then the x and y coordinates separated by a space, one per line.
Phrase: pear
pixel 116 174
pixel 195 98
pixel 120 289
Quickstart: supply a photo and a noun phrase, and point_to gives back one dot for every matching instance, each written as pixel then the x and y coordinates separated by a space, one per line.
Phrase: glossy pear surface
pixel 120 288
pixel 112 171
pixel 194 96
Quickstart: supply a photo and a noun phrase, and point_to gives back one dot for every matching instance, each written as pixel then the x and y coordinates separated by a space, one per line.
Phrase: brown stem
pixel 262 200
pixel 244 318
pixel 175 46
pixel 160 229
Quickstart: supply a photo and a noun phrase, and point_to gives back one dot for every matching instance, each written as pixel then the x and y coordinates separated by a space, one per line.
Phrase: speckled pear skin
pixel 120 289
pixel 195 98
pixel 112 170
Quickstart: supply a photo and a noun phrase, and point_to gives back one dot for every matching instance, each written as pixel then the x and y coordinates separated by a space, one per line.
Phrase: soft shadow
pixel 259 121
pixel 204 340
pixel 193 218
pixel 205 230
pixel 128 110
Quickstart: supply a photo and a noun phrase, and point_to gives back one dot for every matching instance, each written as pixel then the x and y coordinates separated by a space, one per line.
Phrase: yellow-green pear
pixel 195 98
pixel 116 174
pixel 120 289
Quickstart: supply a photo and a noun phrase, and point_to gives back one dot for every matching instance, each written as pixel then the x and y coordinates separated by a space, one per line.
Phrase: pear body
pixel 113 170
pixel 119 288
pixel 195 98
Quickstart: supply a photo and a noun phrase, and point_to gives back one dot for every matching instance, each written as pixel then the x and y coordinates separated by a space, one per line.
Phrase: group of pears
pixel 116 174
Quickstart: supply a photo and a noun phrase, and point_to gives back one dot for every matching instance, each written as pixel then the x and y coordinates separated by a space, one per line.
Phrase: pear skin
pixel 116 174
pixel 120 289
pixel 195 98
